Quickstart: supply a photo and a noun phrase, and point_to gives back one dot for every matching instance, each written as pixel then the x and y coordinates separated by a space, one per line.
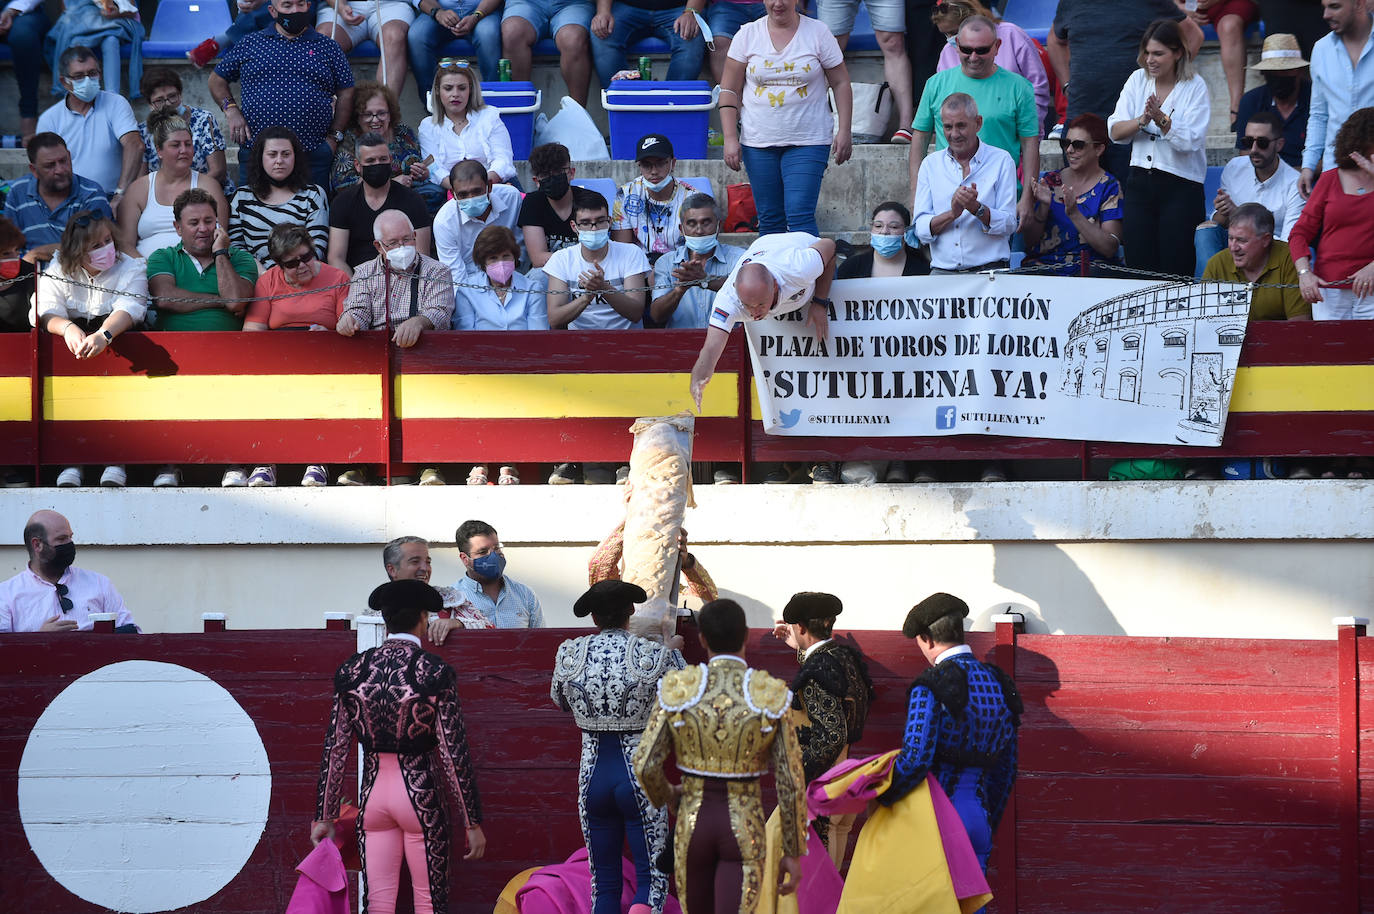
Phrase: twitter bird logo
pixel 789 418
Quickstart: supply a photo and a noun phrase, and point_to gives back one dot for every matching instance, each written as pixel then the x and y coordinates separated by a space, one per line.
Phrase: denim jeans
pixel 786 205
pixel 1207 243
pixel 26 44
pixel 427 38
pixel 631 24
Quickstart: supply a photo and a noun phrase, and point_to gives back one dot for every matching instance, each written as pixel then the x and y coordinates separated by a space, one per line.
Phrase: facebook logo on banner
pixel 946 417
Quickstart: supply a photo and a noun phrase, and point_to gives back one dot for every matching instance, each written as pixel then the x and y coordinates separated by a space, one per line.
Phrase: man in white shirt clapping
pixel 965 206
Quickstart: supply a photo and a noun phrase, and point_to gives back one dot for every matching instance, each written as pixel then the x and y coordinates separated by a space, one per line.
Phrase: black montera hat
pixel 606 596
pixel 407 594
pixel 936 606
pixel 808 605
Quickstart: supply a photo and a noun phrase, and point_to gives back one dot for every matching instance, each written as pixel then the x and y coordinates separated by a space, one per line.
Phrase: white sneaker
pixel 114 477
pixel 234 478
pixel 263 477
pixel 169 478
pixel 316 476
pixel 70 478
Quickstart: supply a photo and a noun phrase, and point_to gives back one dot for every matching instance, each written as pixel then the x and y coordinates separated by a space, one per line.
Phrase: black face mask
pixel 554 186
pixel 293 23
pixel 1281 86
pixel 377 175
pixel 62 556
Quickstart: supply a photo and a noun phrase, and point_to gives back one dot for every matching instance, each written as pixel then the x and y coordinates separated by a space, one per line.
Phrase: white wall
pixel 1239 559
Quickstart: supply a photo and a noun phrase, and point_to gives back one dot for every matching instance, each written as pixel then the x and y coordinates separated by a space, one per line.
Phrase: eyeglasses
pixel 388 245
pixel 307 257
pixel 1075 145
pixel 554 173
pixel 453 63
pixel 62 599
pixel 89 74
pixel 1262 142
pixel 975 52
pixel 592 226
pixel 375 115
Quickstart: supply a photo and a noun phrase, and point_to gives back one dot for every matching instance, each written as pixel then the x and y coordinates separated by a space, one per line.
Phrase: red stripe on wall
pixel 275 352
pixel 238 441
pixel 548 352
pixel 547 440
pixel 16 443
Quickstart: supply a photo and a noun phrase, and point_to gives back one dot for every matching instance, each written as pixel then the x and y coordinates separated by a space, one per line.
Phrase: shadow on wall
pixel 757 613
pixel 1025 567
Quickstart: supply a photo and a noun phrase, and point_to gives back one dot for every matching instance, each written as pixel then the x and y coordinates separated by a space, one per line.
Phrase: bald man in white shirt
pixel 51 595
pixel 779 274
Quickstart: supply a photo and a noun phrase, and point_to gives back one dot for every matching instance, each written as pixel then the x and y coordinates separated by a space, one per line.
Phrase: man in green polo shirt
pixel 1253 256
pixel 200 283
pixel 1005 100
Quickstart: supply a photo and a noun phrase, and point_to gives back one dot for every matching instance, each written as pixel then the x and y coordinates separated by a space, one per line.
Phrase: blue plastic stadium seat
pixel 704 185
pixel 1035 16
pixel 180 25
pixel 1210 185
pixel 1253 32
pixel 861 37
pixel 603 186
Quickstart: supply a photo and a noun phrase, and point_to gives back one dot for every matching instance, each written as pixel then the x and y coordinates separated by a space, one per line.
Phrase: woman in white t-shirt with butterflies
pixel 777 73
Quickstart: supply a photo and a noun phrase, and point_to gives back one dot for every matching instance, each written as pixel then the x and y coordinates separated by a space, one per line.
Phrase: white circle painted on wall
pixel 144 787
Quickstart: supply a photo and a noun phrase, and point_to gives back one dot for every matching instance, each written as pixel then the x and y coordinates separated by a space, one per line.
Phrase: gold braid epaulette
pixel 678 690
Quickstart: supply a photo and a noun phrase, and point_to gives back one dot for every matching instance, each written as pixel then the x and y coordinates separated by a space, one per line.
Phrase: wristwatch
pixel 105 333
pixel 817 300
pixel 982 209
pixel 338 136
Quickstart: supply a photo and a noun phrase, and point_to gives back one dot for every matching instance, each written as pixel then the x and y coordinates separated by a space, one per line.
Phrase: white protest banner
pixel 1007 354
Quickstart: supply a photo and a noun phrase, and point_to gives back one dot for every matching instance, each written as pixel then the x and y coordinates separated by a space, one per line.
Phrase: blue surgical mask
pixel 490 566
pixel 700 244
pixel 594 241
pixel 86 88
pixel 885 245
pixel 667 179
pixel 472 207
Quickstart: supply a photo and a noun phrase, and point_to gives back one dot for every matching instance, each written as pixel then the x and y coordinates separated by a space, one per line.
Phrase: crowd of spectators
pixel 343 218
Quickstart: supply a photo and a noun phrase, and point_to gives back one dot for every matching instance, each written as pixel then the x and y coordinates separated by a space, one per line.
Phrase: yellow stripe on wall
pixel 1279 389
pixel 15 403
pixel 185 398
pixel 1303 389
pixel 559 396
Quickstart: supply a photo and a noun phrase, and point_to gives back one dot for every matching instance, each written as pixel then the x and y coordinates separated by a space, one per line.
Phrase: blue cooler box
pixel 680 110
pixel 518 103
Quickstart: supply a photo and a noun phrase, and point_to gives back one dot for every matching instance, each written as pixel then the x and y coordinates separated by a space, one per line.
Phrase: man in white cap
pixel 779 274
pixel 1287 91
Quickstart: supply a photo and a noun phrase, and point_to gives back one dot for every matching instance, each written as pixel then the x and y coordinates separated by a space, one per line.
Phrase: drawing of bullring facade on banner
pixel 1164 347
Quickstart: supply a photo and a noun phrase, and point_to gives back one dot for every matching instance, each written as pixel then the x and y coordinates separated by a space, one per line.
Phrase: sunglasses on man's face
pixel 978 52
pixel 62 599
pixel 1262 142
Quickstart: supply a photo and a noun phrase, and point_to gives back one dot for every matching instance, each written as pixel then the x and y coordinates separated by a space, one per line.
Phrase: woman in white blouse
pixel 497 298
pixel 464 127
pixel 90 295
pixel 1163 113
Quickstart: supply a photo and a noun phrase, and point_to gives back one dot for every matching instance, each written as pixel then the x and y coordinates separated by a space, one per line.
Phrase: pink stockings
pixel 393 831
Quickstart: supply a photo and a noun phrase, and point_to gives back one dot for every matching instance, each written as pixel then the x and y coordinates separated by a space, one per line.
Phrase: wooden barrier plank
pixel 1258 662
pixel 1121 753
pixel 1102 797
pixel 155 355
pixel 545 352
pixel 253 442
pixel 546 440
pixel 1145 707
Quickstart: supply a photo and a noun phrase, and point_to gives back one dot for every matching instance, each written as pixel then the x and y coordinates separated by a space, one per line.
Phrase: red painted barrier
pixel 548 397
pixel 1157 774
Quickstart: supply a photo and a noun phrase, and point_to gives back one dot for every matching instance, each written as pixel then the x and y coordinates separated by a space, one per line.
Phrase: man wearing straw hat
pixel 1287 91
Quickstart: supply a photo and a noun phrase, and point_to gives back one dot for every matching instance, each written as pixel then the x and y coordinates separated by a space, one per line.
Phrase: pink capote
pixel 566 888
pixel 964 869
pixel 323 885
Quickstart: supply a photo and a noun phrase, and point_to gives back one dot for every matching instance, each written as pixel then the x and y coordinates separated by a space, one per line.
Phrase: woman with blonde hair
pixel 144 215
pixel 90 295
pixel 463 126
pixel 1018 52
